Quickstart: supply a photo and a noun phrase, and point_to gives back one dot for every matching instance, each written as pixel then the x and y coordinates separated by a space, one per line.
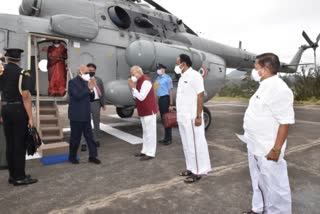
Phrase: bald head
pixel 136 71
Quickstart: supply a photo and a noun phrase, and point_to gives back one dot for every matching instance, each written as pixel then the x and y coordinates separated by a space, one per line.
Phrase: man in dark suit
pixel 80 89
pixel 97 102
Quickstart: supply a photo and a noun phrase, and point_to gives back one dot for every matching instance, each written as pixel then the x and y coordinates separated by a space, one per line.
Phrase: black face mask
pixel 92 74
pixel 3 59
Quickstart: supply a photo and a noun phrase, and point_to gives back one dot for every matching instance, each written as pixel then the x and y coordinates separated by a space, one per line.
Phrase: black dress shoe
pixel 139 155
pixel 168 142
pixel 73 161
pixel 146 158
pixel 162 141
pixel 4 168
pixel 94 160
pixel 97 143
pixel 83 147
pixel 25 181
pixel 11 180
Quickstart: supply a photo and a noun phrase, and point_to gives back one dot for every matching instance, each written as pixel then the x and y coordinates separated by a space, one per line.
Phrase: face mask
pixel 255 75
pixel 159 72
pixel 92 74
pixel 177 69
pixel 56 45
pixel 134 79
pixel 85 77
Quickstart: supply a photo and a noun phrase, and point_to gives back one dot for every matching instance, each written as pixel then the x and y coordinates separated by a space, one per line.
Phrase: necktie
pixel 98 90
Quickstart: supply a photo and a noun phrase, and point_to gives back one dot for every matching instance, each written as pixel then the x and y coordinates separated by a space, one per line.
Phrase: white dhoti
pixel 270 183
pixel 149 136
pixel 195 147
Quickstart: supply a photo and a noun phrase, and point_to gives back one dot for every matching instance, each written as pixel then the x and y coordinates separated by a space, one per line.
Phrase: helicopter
pixel 115 35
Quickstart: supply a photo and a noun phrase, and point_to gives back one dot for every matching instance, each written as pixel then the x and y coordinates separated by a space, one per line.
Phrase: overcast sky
pixel 262 26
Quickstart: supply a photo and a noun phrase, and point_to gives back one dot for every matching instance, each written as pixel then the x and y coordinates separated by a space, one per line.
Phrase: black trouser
pixel 164 104
pixel 77 129
pixel 15 123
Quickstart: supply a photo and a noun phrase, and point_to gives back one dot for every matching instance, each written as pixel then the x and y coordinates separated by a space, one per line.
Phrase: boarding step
pixel 51 131
pixel 48 111
pixel 49 120
pixel 51 139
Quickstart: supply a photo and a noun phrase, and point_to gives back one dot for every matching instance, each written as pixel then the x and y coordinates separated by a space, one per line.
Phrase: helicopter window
pixel 143 22
pixel 119 17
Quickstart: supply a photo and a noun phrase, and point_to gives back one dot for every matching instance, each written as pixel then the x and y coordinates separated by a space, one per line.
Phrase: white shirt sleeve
pixel 144 91
pixel 198 84
pixel 281 106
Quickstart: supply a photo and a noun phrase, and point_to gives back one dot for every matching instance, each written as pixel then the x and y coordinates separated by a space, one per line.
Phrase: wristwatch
pixel 198 117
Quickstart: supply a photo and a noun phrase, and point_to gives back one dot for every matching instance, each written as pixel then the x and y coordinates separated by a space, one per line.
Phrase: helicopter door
pixel 3 39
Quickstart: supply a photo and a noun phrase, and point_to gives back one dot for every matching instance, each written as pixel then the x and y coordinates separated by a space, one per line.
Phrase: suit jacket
pixel 101 87
pixel 79 100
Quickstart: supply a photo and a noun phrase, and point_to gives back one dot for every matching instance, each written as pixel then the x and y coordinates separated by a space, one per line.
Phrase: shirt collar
pixel 270 79
pixel 187 72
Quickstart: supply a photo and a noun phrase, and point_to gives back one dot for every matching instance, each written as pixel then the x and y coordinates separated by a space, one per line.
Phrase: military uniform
pixel 15 118
pixel 163 85
pixel 3 158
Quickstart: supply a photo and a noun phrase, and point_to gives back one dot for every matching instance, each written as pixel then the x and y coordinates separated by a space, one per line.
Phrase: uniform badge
pixel 27 74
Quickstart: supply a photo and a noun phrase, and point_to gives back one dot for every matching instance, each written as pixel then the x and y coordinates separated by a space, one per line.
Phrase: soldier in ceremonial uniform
pixel 17 115
pixel 163 87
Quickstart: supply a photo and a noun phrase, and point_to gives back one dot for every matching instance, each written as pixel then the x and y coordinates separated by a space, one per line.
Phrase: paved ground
pixel 123 184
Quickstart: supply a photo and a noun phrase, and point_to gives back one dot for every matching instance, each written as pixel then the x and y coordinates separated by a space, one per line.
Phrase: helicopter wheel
pixel 125 112
pixel 206 118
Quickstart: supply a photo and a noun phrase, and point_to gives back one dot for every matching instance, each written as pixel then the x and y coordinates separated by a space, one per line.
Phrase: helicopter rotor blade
pixel 307 38
pixel 318 39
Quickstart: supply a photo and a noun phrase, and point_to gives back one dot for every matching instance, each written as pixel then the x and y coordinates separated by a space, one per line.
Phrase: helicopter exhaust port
pixel 30 7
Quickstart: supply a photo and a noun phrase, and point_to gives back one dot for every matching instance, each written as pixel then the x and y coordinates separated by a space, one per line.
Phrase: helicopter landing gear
pixel 207 118
pixel 125 112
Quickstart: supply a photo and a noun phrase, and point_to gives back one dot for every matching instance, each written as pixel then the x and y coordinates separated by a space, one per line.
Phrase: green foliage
pixel 246 89
pixel 305 86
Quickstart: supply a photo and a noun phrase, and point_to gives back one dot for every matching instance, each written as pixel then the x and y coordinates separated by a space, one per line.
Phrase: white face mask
pixel 56 45
pixel 159 72
pixel 134 79
pixel 177 69
pixel 85 77
pixel 255 75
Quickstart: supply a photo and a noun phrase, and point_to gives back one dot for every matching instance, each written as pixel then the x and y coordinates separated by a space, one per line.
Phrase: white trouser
pixel 270 183
pixel 195 147
pixel 149 136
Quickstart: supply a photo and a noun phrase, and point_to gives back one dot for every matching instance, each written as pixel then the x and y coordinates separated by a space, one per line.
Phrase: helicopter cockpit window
pixel 119 17
pixel 143 22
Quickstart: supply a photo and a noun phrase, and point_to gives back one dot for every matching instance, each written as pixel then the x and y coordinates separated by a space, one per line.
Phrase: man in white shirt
pixel 266 124
pixel 146 104
pixel 190 96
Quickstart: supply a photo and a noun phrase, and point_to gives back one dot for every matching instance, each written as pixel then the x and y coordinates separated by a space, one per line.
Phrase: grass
pixel 231 99
pixel 307 102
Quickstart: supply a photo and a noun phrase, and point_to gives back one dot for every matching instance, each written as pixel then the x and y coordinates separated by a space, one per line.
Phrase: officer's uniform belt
pixel 5 103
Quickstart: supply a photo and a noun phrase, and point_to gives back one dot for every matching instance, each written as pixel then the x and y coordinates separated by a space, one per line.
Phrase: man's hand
pixel 171 109
pixel 30 123
pixel 104 108
pixel 273 155
pixel 198 121
pixel 1 68
pixel 131 84
pixel 91 84
pixel 1 120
